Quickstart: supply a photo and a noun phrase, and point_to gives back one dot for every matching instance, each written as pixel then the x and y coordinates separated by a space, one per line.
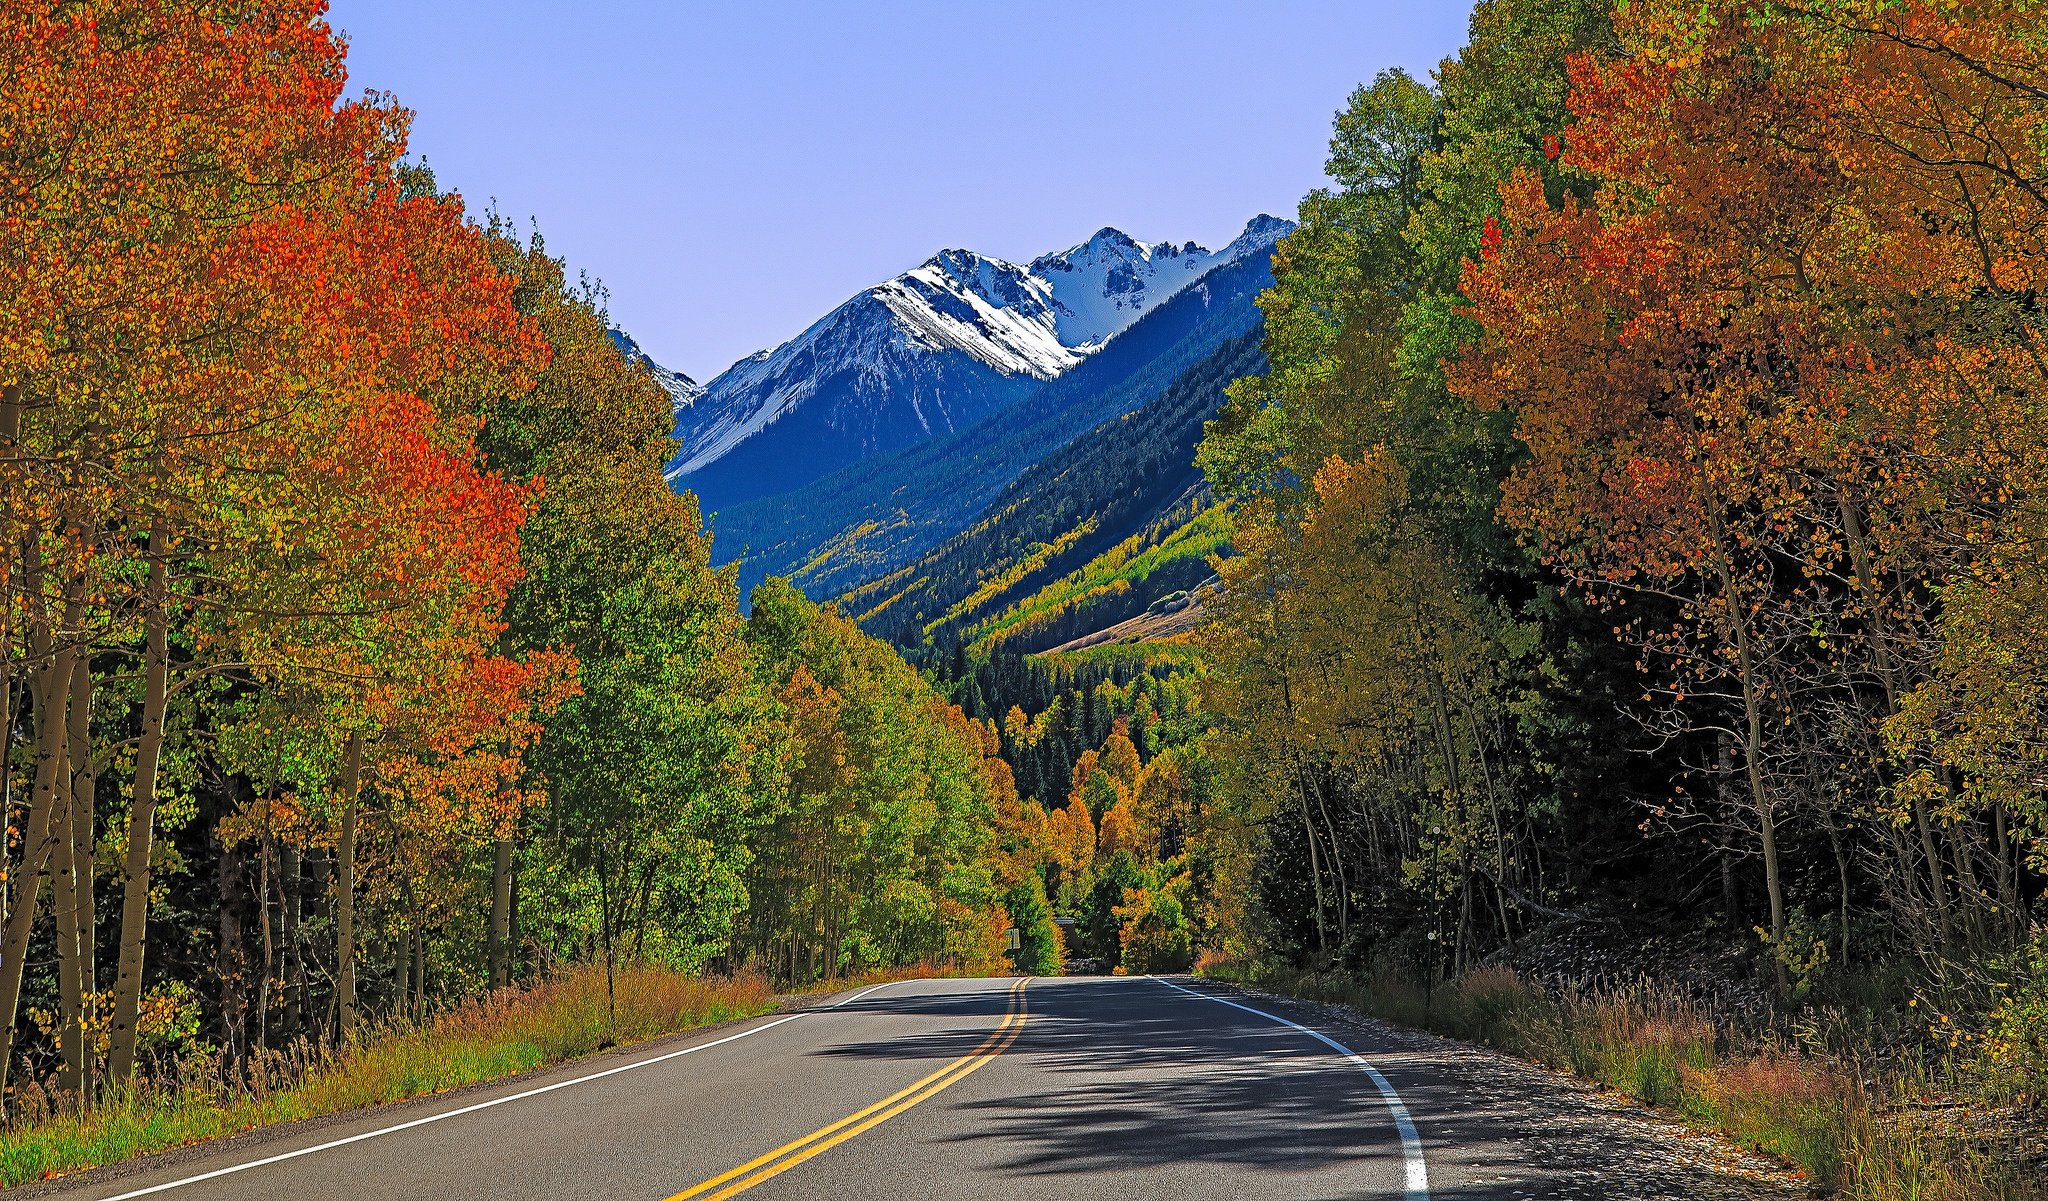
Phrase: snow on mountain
pixel 1258 237
pixel 681 389
pixel 996 311
pixel 930 351
pixel 896 364
pixel 1103 285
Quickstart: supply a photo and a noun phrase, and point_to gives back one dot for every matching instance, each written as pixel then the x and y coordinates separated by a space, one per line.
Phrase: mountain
pixel 867 520
pixel 1103 286
pixel 928 353
pixel 682 390
pixel 1091 535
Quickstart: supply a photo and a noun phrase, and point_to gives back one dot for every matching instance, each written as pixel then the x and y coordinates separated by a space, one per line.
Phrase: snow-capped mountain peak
pixel 682 390
pixel 1259 235
pixel 1105 284
pixel 938 346
pixel 995 311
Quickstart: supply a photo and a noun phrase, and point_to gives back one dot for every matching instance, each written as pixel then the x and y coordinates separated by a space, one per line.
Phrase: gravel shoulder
pixel 1500 1128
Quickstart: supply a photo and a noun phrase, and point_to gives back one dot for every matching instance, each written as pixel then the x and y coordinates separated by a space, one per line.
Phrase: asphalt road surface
pixel 989 1090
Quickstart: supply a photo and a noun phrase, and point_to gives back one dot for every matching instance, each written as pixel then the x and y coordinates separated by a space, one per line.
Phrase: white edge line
pixel 495 1101
pixel 1416 1169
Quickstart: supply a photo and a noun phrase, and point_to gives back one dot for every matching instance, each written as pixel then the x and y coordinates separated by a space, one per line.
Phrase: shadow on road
pixel 1120 1074
pixel 1115 1075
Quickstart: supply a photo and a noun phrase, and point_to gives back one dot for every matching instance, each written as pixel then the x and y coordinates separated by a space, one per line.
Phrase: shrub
pixel 1041 951
pixel 1155 933
pixel 2012 1053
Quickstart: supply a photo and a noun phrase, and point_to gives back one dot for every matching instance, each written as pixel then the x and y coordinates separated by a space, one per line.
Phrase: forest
pixel 1635 542
pixel 1645 486
pixel 355 658
pixel 1629 518
pixel 1638 524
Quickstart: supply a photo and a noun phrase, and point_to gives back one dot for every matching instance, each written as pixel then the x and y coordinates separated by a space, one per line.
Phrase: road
pixel 953 1089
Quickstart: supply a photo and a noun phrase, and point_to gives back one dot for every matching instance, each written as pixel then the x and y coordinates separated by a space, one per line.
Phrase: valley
pixel 1576 589
pixel 984 452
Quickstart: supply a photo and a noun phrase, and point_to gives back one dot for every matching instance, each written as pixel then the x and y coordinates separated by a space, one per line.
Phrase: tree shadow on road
pixel 1116 1076
pixel 1111 1076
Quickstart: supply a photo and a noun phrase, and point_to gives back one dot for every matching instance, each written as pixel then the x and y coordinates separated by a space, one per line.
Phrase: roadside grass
pixel 1852 1134
pixel 512 1031
pixel 891 975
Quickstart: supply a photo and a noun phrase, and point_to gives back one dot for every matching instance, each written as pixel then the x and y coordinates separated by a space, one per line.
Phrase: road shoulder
pixel 281 1135
pixel 1498 1126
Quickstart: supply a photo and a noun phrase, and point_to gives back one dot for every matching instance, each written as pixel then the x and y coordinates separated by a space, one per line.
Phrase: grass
pixel 1851 1136
pixel 1140 655
pixel 510 1032
pixel 890 975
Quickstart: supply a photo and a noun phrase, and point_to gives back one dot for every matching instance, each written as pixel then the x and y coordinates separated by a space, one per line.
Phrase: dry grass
pixel 1784 1106
pixel 511 1032
pixel 1868 1143
pixel 890 975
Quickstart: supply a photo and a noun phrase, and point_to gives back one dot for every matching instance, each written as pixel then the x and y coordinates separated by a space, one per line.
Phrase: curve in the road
pixel 1114 1090
pixel 1415 1169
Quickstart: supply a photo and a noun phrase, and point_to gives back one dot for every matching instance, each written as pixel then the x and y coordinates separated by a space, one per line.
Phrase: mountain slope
pixel 1106 284
pixel 928 353
pixel 1090 535
pixel 681 389
pixel 874 517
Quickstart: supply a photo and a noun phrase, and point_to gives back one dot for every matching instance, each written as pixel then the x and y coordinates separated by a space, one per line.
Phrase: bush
pixel 1156 937
pixel 1040 950
pixel 2012 1053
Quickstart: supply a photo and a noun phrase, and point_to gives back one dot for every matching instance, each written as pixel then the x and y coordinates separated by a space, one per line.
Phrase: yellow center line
pixel 790 1154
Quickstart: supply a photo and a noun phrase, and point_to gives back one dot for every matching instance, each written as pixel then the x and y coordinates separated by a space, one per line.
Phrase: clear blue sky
pixel 732 170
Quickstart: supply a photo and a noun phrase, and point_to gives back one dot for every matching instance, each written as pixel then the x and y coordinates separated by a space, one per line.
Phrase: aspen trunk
pixel 1888 675
pixel 2008 876
pixel 401 970
pixel 1767 826
pixel 39 843
pixel 419 959
pixel 1752 753
pixel 1337 863
pixel 1731 914
pixel 266 964
pixel 1842 882
pixel 231 959
pixel 6 753
pixel 71 892
pixel 604 913
pixel 1315 865
pixel 345 886
pixel 1936 884
pixel 501 913
pixel 290 884
pixel 512 924
pixel 1969 890
pixel 141 824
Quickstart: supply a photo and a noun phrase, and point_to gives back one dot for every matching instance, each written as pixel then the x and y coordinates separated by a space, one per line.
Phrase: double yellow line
pixel 790 1154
